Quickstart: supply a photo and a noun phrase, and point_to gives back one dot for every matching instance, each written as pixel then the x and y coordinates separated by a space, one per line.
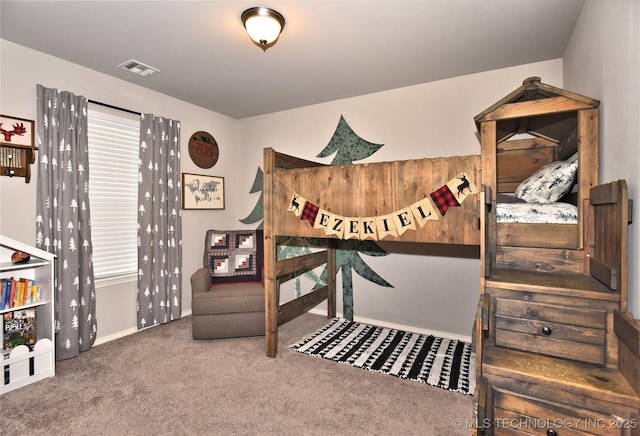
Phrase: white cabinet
pixel 23 365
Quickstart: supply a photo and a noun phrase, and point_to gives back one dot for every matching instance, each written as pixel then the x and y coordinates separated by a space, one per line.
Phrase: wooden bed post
pixel 331 278
pixel 488 237
pixel 270 290
pixel 588 151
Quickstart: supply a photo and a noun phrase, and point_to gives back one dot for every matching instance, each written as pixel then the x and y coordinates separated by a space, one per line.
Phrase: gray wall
pixel 602 61
pixel 436 288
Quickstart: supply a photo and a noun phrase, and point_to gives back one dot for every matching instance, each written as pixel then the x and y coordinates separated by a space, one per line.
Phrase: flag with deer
pixel 411 217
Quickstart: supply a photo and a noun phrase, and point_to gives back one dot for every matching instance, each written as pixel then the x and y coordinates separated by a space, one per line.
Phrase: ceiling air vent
pixel 139 68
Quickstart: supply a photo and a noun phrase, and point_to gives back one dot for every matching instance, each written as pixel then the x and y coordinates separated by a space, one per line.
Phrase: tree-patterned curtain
pixel 62 215
pixel 159 222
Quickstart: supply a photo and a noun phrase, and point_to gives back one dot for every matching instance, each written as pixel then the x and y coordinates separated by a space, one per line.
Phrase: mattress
pixel 538 213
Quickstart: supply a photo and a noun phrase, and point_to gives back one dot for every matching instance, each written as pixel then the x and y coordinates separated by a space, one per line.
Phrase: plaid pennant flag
pixel 309 213
pixel 444 199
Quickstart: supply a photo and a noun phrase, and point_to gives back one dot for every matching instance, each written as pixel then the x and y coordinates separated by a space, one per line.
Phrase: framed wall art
pixel 202 192
pixel 16 131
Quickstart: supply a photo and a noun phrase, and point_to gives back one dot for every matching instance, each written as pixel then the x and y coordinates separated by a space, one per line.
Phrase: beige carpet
pixel 161 382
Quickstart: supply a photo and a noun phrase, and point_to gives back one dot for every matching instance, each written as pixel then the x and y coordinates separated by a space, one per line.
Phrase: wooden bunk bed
pixel 549 293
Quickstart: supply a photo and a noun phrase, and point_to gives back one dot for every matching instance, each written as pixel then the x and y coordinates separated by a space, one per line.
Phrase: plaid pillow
pixel 234 256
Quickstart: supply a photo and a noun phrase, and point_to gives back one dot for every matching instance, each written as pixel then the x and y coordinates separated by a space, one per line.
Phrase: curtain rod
pixel 114 107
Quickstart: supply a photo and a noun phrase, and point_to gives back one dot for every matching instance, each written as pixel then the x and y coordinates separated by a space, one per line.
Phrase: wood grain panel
pixel 552 347
pixel 558 330
pixel 540 259
pixel 536 107
pixel 376 189
pixel 538 235
pixel 552 313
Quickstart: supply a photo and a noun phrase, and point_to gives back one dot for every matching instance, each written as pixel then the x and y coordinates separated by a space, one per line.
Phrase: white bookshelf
pixel 22 366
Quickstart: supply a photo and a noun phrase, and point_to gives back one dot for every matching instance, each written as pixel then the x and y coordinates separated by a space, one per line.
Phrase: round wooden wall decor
pixel 203 149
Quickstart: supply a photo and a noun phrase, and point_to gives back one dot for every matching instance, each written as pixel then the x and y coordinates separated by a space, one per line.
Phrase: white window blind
pixel 113 190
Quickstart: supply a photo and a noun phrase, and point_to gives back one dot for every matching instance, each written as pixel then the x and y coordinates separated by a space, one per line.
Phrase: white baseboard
pixel 405 328
pixel 112 337
pixel 122 333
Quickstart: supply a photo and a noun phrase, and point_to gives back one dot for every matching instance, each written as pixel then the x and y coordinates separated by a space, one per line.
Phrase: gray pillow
pixel 550 183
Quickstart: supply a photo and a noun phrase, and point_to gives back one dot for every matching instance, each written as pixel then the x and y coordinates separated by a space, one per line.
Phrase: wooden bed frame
pixel 556 123
pixel 361 190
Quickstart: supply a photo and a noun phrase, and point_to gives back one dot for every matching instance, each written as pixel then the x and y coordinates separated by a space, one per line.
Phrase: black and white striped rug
pixel 445 363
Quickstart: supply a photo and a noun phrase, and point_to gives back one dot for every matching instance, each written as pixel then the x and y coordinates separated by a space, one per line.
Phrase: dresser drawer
pixel 517 414
pixel 560 331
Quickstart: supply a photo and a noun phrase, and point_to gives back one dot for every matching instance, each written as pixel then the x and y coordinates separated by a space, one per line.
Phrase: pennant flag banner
pixel 297 204
pixel 395 224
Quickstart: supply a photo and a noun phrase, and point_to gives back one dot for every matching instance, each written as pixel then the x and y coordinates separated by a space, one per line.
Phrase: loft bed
pixel 361 190
pixel 559 125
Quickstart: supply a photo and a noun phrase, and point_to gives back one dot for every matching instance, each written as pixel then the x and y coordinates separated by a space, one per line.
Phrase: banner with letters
pixel 411 217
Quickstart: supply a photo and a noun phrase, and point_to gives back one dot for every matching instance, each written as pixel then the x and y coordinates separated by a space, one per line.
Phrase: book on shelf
pixel 19 327
pixel 20 292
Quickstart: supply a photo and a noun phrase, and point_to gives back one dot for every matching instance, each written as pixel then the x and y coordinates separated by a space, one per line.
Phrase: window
pixel 113 190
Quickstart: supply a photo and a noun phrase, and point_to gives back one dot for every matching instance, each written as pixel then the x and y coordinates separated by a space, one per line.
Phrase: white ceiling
pixel 329 49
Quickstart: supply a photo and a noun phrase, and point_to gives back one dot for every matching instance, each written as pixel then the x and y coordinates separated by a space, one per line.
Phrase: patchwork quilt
pixel 234 256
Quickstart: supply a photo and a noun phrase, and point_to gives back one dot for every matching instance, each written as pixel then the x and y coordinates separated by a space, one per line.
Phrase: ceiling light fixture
pixel 263 26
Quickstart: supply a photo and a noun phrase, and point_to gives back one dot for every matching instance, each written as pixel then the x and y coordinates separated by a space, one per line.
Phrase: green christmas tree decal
pixel 293 246
pixel 257 214
pixel 286 247
pixel 349 147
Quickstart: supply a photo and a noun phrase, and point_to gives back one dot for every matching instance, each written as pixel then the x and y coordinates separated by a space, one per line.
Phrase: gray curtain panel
pixel 62 215
pixel 159 222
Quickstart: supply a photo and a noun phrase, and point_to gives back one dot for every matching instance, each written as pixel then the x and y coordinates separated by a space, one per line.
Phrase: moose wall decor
pixel 16 147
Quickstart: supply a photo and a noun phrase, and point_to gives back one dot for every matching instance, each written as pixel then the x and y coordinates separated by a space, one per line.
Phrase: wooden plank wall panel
pixel 540 259
pixel 515 165
pixel 416 179
pixel 611 217
pixel 536 107
pixel 378 205
pixel 377 189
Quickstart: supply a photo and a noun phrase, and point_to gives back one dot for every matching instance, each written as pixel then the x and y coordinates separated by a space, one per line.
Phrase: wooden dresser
pixel 556 353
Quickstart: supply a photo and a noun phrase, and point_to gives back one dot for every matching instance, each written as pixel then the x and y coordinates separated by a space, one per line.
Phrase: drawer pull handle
pixel 546 330
pixel 552 432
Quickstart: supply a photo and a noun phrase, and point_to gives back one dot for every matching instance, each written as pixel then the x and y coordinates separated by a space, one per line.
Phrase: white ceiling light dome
pixel 263 25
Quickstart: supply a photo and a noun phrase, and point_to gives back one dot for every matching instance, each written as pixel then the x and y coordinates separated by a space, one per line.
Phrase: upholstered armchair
pixel 227 292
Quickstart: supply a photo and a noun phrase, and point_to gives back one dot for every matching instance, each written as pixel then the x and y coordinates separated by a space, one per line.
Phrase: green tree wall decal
pixel 286 247
pixel 257 214
pixel 349 147
pixel 293 246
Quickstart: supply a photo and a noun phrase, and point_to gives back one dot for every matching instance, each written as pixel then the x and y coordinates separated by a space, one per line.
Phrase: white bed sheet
pixel 552 213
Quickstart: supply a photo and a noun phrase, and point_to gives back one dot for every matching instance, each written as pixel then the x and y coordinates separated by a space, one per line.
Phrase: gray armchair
pixel 230 304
